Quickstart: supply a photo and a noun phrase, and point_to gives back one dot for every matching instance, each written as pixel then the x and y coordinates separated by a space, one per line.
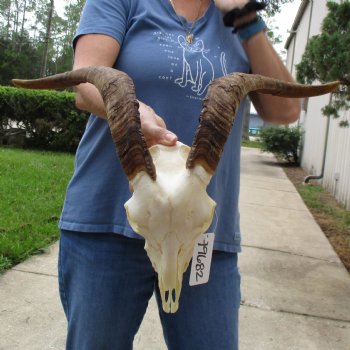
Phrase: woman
pixel 171 50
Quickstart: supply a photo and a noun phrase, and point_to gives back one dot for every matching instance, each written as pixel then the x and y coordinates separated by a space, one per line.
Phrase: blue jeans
pixel 106 281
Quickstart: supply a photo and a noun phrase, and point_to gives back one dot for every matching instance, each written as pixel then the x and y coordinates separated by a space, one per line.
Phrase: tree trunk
pixel 23 17
pixel 22 26
pixel 47 39
pixel 16 18
pixel 8 22
pixel 246 119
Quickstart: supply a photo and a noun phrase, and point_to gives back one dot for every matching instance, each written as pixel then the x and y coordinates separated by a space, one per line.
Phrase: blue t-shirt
pixel 172 77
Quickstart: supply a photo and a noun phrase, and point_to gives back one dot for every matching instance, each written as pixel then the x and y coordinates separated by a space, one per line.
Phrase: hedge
pixel 283 141
pixel 49 119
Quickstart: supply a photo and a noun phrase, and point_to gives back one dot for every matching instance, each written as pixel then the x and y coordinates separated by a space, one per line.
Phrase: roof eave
pixel 296 22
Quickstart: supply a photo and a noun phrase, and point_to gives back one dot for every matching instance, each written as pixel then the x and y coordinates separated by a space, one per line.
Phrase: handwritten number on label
pixel 201 259
pixel 202 253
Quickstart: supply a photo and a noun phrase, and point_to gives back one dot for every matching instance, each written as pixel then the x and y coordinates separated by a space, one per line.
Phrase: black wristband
pixel 245 25
pixel 251 6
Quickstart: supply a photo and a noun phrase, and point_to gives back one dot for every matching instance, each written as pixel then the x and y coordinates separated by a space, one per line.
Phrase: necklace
pixel 188 31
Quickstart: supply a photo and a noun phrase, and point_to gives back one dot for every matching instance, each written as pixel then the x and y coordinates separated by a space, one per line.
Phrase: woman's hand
pixel 154 128
pixel 228 5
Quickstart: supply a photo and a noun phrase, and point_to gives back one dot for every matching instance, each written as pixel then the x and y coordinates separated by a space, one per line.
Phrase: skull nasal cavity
pixel 171 294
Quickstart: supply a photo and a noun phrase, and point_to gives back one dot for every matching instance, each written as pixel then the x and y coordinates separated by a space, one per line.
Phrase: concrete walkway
pixel 295 291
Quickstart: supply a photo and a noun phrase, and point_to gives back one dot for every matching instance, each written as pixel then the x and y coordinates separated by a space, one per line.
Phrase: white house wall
pixel 289 59
pixel 314 127
pixel 301 38
pixel 337 166
pixel 337 171
pixel 319 12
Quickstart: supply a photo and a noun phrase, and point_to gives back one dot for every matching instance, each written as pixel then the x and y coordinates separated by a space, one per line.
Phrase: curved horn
pixel 220 106
pixel 123 117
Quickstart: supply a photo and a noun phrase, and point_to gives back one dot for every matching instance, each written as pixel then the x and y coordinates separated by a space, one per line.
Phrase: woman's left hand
pixel 228 5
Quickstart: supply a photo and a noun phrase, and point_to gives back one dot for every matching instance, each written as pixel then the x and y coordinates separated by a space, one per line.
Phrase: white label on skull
pixel 201 260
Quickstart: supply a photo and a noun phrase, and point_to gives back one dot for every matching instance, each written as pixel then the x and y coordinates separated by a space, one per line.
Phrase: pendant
pixel 189 38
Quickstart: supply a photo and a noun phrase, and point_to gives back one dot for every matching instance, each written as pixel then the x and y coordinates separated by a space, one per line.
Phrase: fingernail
pixel 170 137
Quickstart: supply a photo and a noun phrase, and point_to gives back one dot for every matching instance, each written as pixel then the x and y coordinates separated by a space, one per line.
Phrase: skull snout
pixel 170 295
pixel 170 278
pixel 170 301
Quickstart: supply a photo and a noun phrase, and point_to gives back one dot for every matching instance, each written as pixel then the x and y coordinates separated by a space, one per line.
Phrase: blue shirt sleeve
pixel 109 17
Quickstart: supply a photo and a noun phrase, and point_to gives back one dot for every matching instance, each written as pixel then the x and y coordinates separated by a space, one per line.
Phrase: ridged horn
pixel 220 106
pixel 118 93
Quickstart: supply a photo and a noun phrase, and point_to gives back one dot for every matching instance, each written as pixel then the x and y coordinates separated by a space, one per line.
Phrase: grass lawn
pixel 332 217
pixel 32 189
pixel 251 144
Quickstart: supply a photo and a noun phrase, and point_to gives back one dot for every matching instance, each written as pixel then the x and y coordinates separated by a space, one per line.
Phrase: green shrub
pixel 49 118
pixel 282 141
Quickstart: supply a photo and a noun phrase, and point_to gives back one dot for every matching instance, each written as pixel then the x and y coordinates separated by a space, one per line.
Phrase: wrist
pixel 241 21
pixel 241 14
pixel 249 29
pixel 143 108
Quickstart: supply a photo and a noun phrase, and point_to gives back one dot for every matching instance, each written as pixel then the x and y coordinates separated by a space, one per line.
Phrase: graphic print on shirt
pixel 190 65
pixel 223 63
pixel 197 69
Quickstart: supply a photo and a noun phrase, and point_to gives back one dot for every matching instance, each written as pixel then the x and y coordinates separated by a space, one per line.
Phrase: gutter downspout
pixel 310 19
pixel 311 2
pixel 293 52
pixel 318 177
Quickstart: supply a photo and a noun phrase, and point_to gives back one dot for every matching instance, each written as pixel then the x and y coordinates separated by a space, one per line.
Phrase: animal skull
pixel 170 213
pixel 170 207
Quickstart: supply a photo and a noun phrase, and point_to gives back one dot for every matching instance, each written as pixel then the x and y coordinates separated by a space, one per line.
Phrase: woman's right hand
pixel 154 128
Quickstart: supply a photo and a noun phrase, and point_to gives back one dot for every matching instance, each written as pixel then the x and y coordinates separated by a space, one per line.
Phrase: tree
pixel 5 15
pixel 17 63
pixel 327 57
pixel 34 40
pixel 283 141
pixel 66 29
pixel 274 6
pixel 47 38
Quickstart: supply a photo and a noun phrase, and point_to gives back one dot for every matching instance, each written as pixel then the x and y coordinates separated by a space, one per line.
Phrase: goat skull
pixel 170 207
pixel 170 213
